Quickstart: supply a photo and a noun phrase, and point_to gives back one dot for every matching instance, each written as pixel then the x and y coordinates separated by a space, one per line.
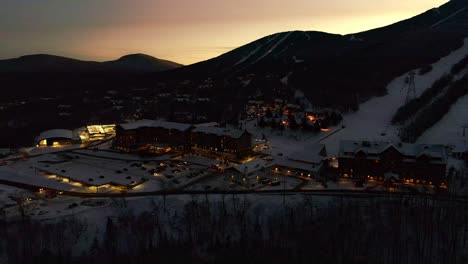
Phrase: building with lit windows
pixel 150 134
pixel 198 139
pixel 217 139
pixel 402 162
pixel 57 138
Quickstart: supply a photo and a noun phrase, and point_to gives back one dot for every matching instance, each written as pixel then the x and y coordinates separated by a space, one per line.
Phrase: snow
pixel 251 166
pixel 341 184
pixel 199 160
pixel 5 192
pixel 450 16
pixel 169 210
pixel 255 50
pixel 285 79
pixel 246 83
pixel 286 183
pixel 34 151
pixel 67 171
pixel 102 172
pixel 372 121
pixel 118 156
pixel 33 177
pixel 56 133
pixel 274 47
pixel 250 54
pixel 296 60
pixel 449 130
pixel 299 95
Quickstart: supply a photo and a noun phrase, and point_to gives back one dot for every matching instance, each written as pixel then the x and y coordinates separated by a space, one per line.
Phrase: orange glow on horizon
pixel 182 31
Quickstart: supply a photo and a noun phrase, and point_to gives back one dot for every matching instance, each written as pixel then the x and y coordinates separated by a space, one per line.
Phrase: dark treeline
pixel 434 112
pixel 459 66
pixel 410 109
pixel 234 230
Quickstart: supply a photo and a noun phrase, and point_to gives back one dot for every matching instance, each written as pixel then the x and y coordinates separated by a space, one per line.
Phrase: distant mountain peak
pixel 137 56
pixel 142 62
pixel 132 63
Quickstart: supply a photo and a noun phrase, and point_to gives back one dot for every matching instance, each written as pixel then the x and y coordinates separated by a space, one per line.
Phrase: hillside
pixel 332 70
pixel 373 120
pixel 342 72
pixel 135 63
pixel 141 63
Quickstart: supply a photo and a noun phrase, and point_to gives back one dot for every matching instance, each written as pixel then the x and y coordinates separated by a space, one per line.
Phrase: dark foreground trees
pixel 234 229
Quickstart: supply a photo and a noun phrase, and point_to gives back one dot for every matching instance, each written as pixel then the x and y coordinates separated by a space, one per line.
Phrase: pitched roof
pixel 152 123
pixel 249 167
pixel 220 131
pixel 310 154
pixel 137 124
pixel 285 162
pixel 56 133
pixel 377 147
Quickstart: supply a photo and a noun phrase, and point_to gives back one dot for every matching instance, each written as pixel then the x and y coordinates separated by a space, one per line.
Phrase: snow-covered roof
pixel 219 131
pixel 311 154
pixel 294 106
pixel 208 128
pixel 390 175
pixel 5 151
pixel 210 124
pixel 171 125
pixel 460 149
pixel 249 167
pixel 152 123
pixel 288 163
pixel 255 102
pixel 349 147
pixel 137 124
pixel 56 133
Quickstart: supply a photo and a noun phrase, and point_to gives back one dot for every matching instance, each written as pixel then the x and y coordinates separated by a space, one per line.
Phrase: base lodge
pixel 159 137
pixel 404 163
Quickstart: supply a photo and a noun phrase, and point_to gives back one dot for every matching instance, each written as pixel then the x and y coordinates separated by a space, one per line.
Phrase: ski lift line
pixel 273 47
pixel 450 16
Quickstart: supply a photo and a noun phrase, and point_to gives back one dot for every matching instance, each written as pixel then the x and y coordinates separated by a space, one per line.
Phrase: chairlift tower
pixel 464 129
pixel 411 85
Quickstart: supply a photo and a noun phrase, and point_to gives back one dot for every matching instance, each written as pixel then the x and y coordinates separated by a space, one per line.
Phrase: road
pixel 337 193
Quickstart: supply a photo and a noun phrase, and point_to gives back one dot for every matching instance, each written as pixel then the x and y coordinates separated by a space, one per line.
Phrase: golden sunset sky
pixel 184 31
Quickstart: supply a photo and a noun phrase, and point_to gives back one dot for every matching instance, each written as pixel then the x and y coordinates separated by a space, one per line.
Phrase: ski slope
pixel 273 47
pixel 449 130
pixel 373 119
pixel 256 50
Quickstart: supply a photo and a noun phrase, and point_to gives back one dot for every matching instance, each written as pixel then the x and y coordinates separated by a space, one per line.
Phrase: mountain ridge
pixel 138 63
pixel 332 70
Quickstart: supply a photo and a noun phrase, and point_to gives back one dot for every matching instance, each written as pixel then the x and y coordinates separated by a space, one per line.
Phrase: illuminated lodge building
pixel 161 137
pixel 154 135
pixel 211 140
pixel 57 138
pixel 404 163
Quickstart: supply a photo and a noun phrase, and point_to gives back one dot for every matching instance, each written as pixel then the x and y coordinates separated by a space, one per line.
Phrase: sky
pixel 184 31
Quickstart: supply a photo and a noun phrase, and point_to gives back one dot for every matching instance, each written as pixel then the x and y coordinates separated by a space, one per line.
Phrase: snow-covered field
pixel 67 171
pixel 373 120
pixel 118 156
pixel 285 142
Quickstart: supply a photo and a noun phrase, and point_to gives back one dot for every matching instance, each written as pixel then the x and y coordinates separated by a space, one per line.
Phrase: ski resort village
pixel 293 147
pixel 276 146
